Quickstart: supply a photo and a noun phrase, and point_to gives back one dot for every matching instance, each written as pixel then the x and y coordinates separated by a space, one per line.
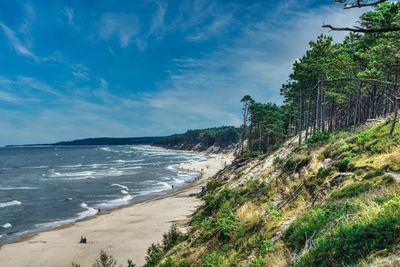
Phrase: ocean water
pixel 46 187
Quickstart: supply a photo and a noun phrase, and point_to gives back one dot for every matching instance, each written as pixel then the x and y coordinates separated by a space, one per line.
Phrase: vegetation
pixel 333 86
pixel 220 137
pixel 333 198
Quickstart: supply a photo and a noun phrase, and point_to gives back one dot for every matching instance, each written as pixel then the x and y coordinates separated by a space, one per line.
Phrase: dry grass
pixel 250 213
pixel 380 161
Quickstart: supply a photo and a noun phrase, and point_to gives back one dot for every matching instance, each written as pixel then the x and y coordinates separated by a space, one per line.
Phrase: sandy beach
pixel 125 233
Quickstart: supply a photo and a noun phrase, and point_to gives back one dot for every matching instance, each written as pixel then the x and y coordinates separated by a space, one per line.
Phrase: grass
pixel 351 241
pixel 240 218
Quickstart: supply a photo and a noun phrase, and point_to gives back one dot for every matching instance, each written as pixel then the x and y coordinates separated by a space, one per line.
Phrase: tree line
pixel 333 85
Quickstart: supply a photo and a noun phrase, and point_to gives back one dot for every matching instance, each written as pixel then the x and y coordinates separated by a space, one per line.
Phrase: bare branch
pixel 359 3
pixel 361 30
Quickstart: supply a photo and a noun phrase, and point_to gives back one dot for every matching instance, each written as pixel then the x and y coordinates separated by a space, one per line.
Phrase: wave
pixel 72 176
pixel 108 149
pixel 127 161
pixel 80 216
pixel 72 166
pixel 124 192
pixel 37 167
pixel 121 186
pixel 7 225
pixel 116 202
pixel 17 188
pixel 10 203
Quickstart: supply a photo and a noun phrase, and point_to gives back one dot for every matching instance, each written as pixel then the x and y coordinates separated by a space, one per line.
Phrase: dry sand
pixel 125 233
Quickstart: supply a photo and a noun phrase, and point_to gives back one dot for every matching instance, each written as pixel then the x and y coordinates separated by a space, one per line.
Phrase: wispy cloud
pixel 25 85
pixel 17 44
pixel 156 25
pixel 255 62
pixel 215 27
pixel 7 97
pixel 120 25
pixel 69 14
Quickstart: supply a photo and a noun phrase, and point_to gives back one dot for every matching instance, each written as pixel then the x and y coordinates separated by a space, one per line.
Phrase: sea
pixel 46 187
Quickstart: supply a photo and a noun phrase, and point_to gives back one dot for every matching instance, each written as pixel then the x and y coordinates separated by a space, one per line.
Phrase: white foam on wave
pixel 131 168
pixel 72 166
pixel 171 167
pixel 37 167
pixel 116 202
pixel 17 188
pixel 121 186
pixel 108 149
pixel 124 192
pixel 127 161
pixel 71 176
pixel 7 225
pixel 80 216
pixel 10 203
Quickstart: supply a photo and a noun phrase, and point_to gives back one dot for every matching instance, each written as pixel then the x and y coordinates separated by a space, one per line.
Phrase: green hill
pixel 332 202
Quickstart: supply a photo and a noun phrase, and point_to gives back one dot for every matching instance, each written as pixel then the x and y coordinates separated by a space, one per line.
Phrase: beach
pixel 125 233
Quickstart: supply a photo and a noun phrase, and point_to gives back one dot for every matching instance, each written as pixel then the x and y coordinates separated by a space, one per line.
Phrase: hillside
pixel 333 201
pixel 213 139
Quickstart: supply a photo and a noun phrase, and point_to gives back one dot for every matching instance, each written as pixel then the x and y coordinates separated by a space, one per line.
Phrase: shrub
pixel 169 262
pixel 183 263
pixel 325 172
pixel 343 165
pixel 353 241
pixel 278 161
pixel 105 260
pixel 214 259
pixel 257 262
pixel 226 221
pixel 274 211
pixel 264 245
pixel 172 237
pixel 295 164
pixel 154 255
pixel 351 190
pixel 373 174
pixel 318 137
pixel 314 222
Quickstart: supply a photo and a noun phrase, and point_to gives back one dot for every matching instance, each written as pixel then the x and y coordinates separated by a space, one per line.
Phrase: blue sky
pixel 75 69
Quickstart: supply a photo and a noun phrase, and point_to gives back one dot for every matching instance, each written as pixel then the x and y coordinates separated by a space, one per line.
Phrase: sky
pixel 95 68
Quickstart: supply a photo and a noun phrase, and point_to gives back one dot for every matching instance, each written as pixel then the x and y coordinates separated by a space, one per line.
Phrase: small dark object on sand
pixel 83 240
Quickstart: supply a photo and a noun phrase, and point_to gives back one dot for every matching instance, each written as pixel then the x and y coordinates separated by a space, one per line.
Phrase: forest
pixel 333 85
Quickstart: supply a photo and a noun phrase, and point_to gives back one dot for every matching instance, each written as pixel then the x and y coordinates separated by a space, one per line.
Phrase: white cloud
pixel 24 85
pixel 122 26
pixel 208 89
pixel 156 25
pixel 69 14
pixel 215 27
pixel 17 44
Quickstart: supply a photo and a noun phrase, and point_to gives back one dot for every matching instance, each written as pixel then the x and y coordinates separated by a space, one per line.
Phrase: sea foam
pixel 10 203
pixel 7 225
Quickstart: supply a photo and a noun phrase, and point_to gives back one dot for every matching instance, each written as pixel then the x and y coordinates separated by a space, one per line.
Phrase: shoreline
pixel 152 196
pixel 171 207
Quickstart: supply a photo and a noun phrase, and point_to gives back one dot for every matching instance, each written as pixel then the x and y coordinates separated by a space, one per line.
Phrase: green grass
pixel 352 241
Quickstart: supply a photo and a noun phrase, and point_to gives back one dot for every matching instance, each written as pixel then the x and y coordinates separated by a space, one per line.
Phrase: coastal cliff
pixel 211 140
pixel 331 202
